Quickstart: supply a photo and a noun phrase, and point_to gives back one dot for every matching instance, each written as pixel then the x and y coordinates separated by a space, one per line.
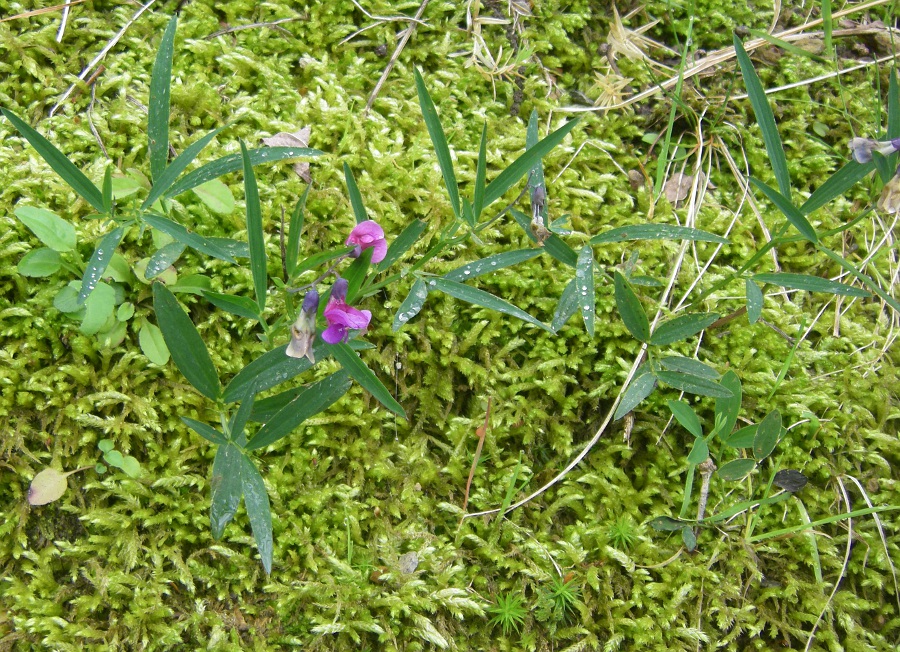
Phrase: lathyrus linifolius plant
pixel 109 286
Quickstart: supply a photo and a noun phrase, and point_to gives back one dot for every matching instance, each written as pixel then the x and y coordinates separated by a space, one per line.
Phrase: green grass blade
pixel 656 232
pixel 893 116
pixel 868 282
pixel 99 262
pixel 185 344
pixel 630 310
pixel 522 165
pixel 361 373
pixel 107 191
pixel 241 306
pixel 822 521
pixel 314 399
pixel 189 238
pixel 439 140
pixel 791 212
pixel 837 184
pixel 295 229
pixel 402 243
pixel 765 119
pixel 58 161
pixel 785 45
pixel 255 232
pixel 158 104
pixel 827 27
pixel 259 512
pixel 233 163
pixel 492 264
pixel 480 172
pixel 356 200
pixel 484 299
pixel 810 284
pixel 166 179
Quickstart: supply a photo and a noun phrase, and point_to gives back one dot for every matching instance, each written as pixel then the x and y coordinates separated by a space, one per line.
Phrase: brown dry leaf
pixel 296 139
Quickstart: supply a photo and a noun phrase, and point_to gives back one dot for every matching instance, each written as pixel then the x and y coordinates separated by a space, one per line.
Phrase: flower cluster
pixel 340 317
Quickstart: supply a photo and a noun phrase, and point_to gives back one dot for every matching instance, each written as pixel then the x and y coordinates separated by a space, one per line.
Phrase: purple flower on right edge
pixel 342 318
pixel 862 148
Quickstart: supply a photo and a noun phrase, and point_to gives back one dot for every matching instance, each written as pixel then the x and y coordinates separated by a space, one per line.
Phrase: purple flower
pixel 862 148
pixel 303 331
pixel 367 235
pixel 342 318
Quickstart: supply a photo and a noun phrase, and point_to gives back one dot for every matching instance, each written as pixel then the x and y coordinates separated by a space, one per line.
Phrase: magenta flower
pixel 367 235
pixel 342 318
pixel 303 331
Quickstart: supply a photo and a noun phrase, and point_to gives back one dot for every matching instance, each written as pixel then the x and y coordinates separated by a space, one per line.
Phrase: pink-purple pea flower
pixel 303 331
pixel 342 318
pixel 861 148
pixel 367 235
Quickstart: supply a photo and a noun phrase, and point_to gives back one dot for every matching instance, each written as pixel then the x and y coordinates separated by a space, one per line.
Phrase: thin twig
pixel 387 71
pixel 45 10
pixel 481 431
pixel 109 46
pixel 274 24
pixel 378 20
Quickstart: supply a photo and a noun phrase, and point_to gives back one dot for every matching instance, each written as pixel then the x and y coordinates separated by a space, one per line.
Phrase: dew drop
pixel 493 263
pixel 467 272
pixel 432 283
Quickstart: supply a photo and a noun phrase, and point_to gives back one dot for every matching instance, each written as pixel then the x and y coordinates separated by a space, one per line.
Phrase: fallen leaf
pixel 47 486
pixel 296 139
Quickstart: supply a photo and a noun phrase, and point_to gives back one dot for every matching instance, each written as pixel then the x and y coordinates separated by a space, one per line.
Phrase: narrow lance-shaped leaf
pixel 58 161
pixel 158 104
pixel 236 305
pixel 791 212
pixel 192 240
pixel 567 306
pixel 689 366
pixel 107 191
pixel 767 434
pixel 358 370
pixel 259 511
pixel 402 243
pixel 206 431
pixel 693 384
pixel 765 119
pixel 480 171
pixel 411 305
pixel 630 310
pixel 755 300
pixel 292 250
pixel 736 469
pixel 584 285
pixel 492 264
pixel 439 141
pixel 483 299
pixel 554 245
pixel 681 328
pixel 50 228
pixel 656 232
pixel 642 385
pixel 728 408
pixel 255 232
pixel 686 416
pixel 316 398
pixel 163 258
pixel 185 344
pixel 356 200
pixel 810 284
pixel 226 488
pixel 233 163
pixel 836 185
pixel 99 262
pixel 166 178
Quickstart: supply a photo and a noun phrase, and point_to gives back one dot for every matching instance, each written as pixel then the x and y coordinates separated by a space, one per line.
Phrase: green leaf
pixel 755 300
pixel 681 328
pixel 292 251
pixel 58 161
pixel 411 305
pixel 765 119
pixel 631 311
pixel 49 228
pixel 767 434
pixel 206 431
pixel 567 306
pixel 522 165
pixel 98 309
pixel 791 212
pixel 439 140
pixel 693 384
pixel 99 262
pixel 689 366
pixel 356 200
pixel 483 299
pixel 259 511
pixel 480 170
pixel 656 232
pixel 226 488
pixel 728 408
pixel 689 538
pixel 131 466
pixel 699 452
pixel 361 373
pixel 158 105
pixel 233 163
pixel 163 258
pixel 836 185
pixel 185 344
pixel 810 284
pixel 234 248
pixel 317 259
pixel 240 306
pixel 492 264
pixel 666 524
pixel 402 243
pixel 255 232
pixel 554 245
pixel 189 238
pixel 314 399
pixel 66 300
pixel 153 344
pixel 239 419
pixel 195 284
pixel 736 469
pixel 163 184
pixel 107 191
pixel 686 416
pixel 584 287
pixel 741 438
pixel 266 408
pixel 39 263
pixel 216 196
pixel 642 385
